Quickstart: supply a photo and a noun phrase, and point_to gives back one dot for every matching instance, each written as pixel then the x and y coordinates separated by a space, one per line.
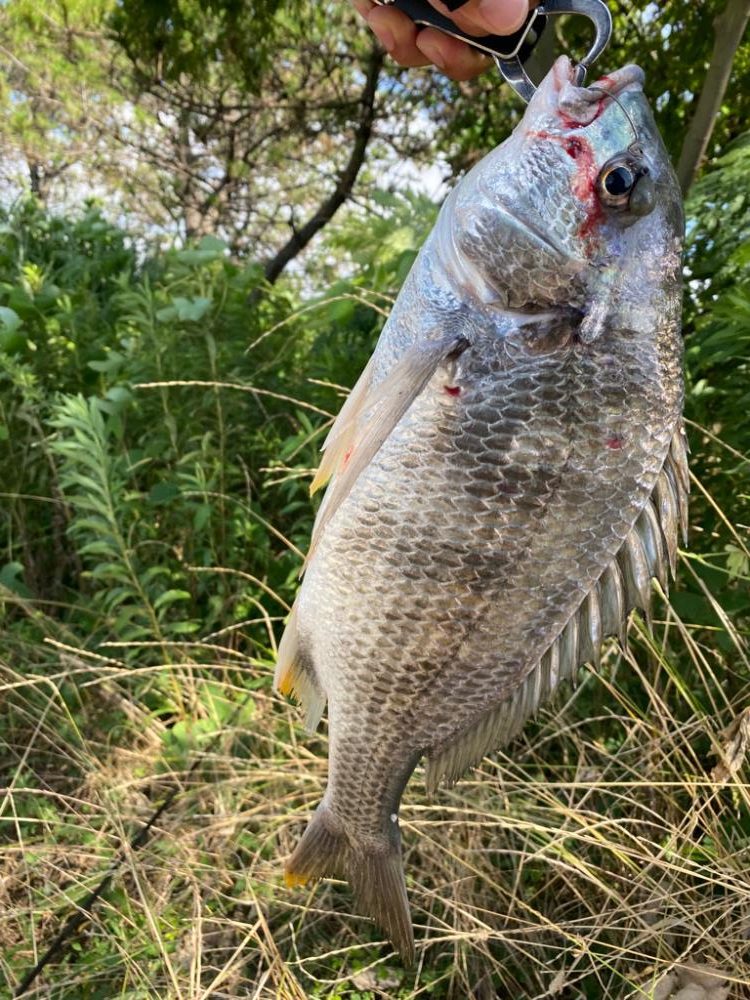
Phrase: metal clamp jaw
pixel 510 52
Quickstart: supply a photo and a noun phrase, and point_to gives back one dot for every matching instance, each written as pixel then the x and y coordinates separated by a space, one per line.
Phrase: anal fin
pixel 499 725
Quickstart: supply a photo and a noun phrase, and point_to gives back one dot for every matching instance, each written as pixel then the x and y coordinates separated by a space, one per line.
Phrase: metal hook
pixel 510 52
pixel 595 10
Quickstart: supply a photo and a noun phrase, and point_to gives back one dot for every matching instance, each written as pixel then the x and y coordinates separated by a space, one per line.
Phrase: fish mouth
pixel 582 105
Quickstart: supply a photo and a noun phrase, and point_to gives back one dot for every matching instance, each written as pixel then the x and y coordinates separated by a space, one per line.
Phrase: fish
pixel 505 480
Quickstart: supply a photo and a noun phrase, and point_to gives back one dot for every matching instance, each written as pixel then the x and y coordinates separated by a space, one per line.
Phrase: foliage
pixel 718 360
pixel 169 40
pixel 161 411
pixel 236 120
pixel 54 83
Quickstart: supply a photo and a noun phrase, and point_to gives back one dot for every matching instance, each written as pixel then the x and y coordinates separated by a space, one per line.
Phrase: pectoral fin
pixel 370 420
pixel 341 436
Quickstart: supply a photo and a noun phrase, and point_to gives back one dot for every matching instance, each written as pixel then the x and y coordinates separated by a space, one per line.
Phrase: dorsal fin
pixel 624 585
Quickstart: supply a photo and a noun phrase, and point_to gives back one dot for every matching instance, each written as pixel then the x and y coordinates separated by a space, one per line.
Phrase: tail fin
pixel 375 873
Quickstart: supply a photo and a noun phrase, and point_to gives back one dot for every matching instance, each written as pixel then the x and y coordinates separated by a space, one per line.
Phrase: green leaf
pixel 170 597
pixel 112 363
pixel 212 243
pixel 183 628
pixel 162 493
pixel 11 337
pixel 198 258
pixel 202 516
pixel 11 577
pixel 191 310
pixel 9 319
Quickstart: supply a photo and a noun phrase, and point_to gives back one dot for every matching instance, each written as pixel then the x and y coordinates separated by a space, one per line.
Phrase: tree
pixel 190 137
pixel 729 29
pixel 56 79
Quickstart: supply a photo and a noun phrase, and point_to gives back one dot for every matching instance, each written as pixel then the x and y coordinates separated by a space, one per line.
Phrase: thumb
pixel 495 17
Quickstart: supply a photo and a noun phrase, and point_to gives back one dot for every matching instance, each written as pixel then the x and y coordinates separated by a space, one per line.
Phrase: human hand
pixel 411 45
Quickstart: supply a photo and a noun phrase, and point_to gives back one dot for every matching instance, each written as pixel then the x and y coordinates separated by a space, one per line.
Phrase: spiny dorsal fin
pixel 624 585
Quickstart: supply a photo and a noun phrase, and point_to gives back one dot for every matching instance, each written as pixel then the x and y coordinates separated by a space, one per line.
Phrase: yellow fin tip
pixel 286 681
pixel 292 880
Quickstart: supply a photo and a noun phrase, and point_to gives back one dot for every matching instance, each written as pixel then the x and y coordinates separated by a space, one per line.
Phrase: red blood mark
pixel 569 122
pixel 348 455
pixel 583 184
pixel 453 390
pixel 573 147
pixel 573 123
pixel 614 443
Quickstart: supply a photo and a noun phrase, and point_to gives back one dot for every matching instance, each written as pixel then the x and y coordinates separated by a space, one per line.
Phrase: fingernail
pixel 437 58
pixel 386 39
pixel 384 35
pixel 362 7
pixel 502 16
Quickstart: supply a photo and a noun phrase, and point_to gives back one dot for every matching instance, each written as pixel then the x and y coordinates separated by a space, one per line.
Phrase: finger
pixel 362 7
pixel 457 59
pixel 495 17
pixel 397 34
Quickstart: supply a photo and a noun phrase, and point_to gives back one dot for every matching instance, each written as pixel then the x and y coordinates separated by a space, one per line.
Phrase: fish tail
pixel 379 886
pixel 374 871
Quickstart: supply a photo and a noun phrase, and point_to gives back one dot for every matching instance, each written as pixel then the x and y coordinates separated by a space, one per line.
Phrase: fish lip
pixel 564 72
pixel 583 104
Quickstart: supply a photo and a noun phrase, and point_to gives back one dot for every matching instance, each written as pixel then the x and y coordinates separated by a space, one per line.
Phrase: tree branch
pixel 302 236
pixel 729 28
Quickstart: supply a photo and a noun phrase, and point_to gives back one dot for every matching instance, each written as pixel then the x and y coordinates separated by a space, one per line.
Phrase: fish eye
pixel 618 180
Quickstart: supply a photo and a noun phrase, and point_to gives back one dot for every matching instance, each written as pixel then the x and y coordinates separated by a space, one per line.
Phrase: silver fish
pixel 508 475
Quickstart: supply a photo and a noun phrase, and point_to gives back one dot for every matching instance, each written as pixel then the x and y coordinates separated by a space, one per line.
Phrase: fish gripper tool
pixel 511 52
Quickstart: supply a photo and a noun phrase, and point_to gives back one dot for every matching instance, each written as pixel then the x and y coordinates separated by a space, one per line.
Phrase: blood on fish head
pixel 583 182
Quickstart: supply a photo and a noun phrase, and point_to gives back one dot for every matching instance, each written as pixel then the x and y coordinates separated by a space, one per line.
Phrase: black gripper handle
pixel 520 43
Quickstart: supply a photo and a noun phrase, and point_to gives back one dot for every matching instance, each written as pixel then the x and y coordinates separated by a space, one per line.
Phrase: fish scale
pixel 506 478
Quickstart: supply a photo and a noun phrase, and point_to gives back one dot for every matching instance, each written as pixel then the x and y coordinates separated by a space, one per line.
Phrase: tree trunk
pixel 729 28
pixel 301 237
pixel 38 181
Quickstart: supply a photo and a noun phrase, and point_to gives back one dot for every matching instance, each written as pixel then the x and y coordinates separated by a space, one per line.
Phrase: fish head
pixel 583 182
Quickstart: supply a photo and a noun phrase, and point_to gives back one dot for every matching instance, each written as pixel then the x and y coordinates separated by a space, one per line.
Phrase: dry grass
pixel 603 854
pixel 603 850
